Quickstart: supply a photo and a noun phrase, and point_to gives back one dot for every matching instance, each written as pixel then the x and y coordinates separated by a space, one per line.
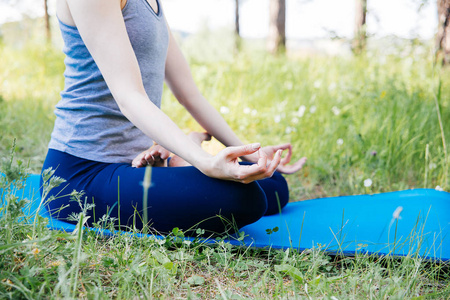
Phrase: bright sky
pixel 305 18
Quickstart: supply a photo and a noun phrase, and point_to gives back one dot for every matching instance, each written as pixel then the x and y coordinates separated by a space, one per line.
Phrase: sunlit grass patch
pixel 30 82
pixel 353 118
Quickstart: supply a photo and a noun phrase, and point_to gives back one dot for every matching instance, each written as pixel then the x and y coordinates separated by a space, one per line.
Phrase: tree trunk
pixel 277 27
pixel 47 23
pixel 237 35
pixel 443 34
pixel 236 19
pixel 359 39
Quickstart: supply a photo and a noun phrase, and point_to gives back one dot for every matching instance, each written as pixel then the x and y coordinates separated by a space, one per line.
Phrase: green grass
pixel 381 108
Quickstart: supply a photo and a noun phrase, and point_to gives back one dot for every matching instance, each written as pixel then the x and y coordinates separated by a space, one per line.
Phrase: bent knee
pixel 252 206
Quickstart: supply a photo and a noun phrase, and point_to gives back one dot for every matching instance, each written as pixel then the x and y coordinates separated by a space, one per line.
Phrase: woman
pixel 118 53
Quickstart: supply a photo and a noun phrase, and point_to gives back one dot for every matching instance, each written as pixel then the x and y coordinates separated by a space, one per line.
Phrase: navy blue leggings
pixel 180 197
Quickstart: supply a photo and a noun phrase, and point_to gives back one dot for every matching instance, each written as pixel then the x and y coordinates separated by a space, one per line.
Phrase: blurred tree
pixel 443 33
pixel 47 23
pixel 359 39
pixel 277 27
pixel 236 18
pixel 237 37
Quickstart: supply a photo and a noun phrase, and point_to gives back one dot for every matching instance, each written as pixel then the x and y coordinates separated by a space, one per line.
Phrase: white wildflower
pixel 224 110
pixel 332 86
pixel 397 211
pixel 317 84
pixel 432 166
pixel 277 119
pixel 289 129
pixel 313 109
pixel 367 182
pixel 254 112
pixel 294 120
pixel 438 188
pixel 335 110
pixel 301 111
pixel 247 110
pixel 340 142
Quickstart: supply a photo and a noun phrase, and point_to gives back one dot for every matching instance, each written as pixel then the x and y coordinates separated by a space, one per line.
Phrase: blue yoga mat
pixel 411 222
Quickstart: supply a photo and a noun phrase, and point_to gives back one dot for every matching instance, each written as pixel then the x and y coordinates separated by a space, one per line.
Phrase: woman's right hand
pixel 225 165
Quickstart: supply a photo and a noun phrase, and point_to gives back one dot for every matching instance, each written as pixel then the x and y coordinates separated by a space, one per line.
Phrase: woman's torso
pixel 88 122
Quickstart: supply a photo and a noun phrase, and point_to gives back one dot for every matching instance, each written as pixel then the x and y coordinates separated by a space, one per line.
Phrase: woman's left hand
pixel 284 166
pixel 155 157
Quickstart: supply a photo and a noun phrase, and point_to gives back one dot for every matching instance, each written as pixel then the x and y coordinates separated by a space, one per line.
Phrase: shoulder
pixel 64 15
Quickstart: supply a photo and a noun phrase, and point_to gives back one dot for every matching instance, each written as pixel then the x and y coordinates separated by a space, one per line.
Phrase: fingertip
pixel 285 146
pixel 256 146
pixel 163 154
pixel 275 162
pixel 277 158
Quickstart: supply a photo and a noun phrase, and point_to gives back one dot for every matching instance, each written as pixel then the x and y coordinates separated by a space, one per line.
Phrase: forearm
pixel 212 121
pixel 181 82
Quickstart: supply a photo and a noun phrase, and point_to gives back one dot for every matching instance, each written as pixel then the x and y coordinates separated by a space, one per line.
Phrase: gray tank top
pixel 88 122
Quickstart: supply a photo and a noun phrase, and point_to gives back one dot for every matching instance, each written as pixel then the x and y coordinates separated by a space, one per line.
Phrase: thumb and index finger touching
pixel 263 168
pixel 287 158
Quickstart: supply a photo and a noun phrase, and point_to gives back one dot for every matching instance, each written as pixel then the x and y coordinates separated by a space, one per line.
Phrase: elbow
pixel 186 93
pixel 189 100
pixel 128 102
pixel 125 98
pixel 184 101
